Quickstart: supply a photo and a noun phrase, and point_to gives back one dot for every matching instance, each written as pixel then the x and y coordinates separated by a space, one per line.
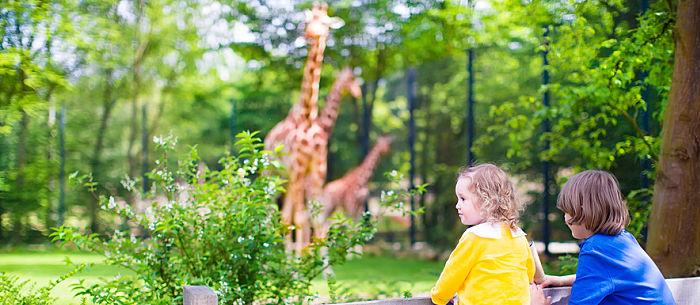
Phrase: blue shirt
pixel 614 269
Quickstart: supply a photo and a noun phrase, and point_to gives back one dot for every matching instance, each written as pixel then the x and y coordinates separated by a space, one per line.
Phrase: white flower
pixel 270 188
pixel 241 172
pixel 111 204
pixel 265 160
pixel 159 140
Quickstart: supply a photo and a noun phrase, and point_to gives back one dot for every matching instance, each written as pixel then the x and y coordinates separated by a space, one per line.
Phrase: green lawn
pixel 374 276
pixel 42 266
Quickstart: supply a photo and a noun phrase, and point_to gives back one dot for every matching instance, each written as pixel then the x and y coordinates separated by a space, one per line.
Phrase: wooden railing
pixel 686 291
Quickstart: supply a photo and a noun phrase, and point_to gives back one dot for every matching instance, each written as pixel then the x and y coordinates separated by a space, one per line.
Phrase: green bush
pixel 15 292
pixel 219 228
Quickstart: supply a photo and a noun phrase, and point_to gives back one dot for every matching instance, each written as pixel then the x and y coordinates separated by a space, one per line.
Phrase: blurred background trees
pixel 125 71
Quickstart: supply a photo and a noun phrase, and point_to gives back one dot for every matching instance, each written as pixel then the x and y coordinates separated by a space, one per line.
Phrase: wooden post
pixel 199 295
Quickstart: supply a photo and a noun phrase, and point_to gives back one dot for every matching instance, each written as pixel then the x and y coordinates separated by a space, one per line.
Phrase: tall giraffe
pixel 311 156
pixel 345 82
pixel 316 32
pixel 349 192
pixel 298 132
pixel 320 131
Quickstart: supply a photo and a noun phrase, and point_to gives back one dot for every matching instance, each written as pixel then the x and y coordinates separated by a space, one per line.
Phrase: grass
pixel 370 276
pixel 384 276
pixel 41 266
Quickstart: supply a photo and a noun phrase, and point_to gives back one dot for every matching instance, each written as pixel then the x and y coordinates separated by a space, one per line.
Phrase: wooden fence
pixel 686 291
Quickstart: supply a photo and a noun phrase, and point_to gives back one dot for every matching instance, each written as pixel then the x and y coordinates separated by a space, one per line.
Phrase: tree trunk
pixel 132 157
pixel 139 55
pixel 425 101
pixel 51 134
pixel 108 102
pixel 20 189
pixel 674 228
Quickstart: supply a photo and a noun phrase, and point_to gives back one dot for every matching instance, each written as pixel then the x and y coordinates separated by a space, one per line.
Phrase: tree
pixel 28 79
pixel 674 229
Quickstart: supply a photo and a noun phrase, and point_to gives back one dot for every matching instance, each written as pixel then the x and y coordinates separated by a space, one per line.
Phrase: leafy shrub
pixel 220 228
pixel 14 292
pixel 563 265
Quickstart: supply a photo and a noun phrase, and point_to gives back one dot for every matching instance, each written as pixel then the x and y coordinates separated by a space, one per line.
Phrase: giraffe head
pixel 349 82
pixel 383 144
pixel 318 23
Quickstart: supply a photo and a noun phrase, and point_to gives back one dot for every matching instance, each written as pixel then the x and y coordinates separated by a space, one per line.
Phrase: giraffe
pixel 301 128
pixel 306 109
pixel 312 154
pixel 320 131
pixel 345 82
pixel 349 192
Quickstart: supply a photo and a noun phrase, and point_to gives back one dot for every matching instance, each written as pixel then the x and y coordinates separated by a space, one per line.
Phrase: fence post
pixel 199 295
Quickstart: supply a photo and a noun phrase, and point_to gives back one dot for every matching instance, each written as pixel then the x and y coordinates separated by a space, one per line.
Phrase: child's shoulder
pixel 491 231
pixel 602 242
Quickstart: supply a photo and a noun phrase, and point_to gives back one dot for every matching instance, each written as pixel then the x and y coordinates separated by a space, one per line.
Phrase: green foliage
pixel 27 71
pixel 341 292
pixel 219 228
pixel 171 58
pixel 16 292
pixel 29 77
pixel 563 265
pixel 601 59
pixel 639 204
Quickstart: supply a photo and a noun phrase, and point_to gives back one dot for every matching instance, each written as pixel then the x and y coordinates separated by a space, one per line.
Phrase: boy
pixel 612 267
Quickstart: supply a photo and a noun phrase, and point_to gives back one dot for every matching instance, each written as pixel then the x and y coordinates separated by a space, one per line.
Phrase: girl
pixel 492 262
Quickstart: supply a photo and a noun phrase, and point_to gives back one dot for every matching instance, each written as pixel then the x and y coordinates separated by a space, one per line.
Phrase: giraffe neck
pixel 308 99
pixel 364 172
pixel 329 114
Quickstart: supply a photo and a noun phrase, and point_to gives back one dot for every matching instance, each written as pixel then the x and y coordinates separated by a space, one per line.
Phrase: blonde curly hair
pixel 495 192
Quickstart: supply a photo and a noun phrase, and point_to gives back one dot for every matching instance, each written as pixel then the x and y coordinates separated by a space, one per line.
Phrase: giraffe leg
pixel 287 219
pixel 292 200
pixel 358 202
pixel 303 229
pixel 315 181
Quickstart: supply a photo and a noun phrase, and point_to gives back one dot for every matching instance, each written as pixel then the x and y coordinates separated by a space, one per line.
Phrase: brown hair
pixel 592 198
pixel 495 191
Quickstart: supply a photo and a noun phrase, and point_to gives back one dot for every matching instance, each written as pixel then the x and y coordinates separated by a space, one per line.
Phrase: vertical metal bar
pixel 364 145
pixel 645 163
pixel 144 148
pixel 411 95
pixel 546 128
pixel 470 106
pixel 62 166
pixel 232 125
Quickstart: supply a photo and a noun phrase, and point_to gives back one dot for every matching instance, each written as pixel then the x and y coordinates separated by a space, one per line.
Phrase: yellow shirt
pixel 491 265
